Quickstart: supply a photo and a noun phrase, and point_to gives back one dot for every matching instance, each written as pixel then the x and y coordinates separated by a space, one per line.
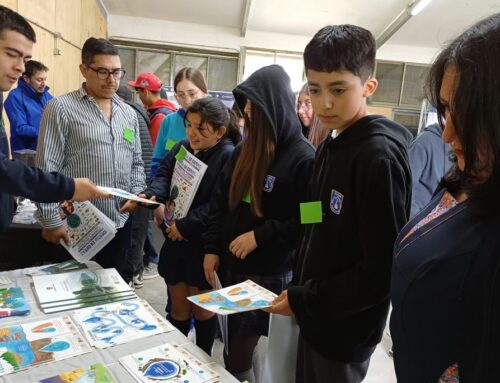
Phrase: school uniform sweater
pixel 340 291
pixel 284 188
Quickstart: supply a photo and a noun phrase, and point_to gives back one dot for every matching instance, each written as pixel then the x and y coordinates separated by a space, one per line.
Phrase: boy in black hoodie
pixel 340 290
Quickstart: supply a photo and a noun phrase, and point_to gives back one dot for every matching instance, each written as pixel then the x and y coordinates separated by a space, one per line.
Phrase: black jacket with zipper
pixel 340 291
pixel 277 232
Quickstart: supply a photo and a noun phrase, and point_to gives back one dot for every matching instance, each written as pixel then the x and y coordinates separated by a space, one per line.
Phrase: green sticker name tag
pixel 181 154
pixel 170 144
pixel 246 198
pixel 128 135
pixel 311 212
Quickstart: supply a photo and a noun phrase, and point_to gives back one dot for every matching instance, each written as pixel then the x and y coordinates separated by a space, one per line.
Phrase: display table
pixel 109 357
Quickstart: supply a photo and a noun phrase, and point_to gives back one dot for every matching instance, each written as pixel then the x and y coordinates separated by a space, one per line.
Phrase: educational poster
pixel 244 296
pixel 96 373
pixel 118 323
pixel 169 362
pixel 80 289
pixel 29 344
pixel 12 302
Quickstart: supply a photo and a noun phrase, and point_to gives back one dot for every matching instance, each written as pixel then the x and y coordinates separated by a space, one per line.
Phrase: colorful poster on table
pixel 31 344
pixel 118 323
pixel 169 362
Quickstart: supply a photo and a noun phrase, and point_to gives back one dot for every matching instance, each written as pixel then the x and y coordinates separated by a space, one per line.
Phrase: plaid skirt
pixel 254 322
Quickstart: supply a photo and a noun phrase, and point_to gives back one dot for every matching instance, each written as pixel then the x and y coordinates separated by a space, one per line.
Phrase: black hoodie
pixel 340 291
pixel 277 231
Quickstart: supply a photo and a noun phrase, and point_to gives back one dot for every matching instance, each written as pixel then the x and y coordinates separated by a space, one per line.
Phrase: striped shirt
pixel 77 139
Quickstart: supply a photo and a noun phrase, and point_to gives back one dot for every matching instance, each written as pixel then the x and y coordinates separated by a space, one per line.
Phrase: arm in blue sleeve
pixel 160 151
pixel 17 117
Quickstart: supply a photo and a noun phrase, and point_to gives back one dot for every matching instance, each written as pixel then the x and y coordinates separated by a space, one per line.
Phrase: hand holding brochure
pixel 89 229
pixel 125 194
pixel 244 296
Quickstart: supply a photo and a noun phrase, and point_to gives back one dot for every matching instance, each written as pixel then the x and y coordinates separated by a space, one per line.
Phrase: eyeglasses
pixel 103 73
pixel 306 105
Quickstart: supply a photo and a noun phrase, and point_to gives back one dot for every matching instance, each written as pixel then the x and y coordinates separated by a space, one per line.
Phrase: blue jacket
pixel 24 107
pixel 172 131
pixel 445 293
pixel 429 162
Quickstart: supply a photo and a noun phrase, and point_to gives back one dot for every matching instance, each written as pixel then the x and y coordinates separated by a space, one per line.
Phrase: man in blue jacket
pixel 429 162
pixel 24 106
pixel 16 43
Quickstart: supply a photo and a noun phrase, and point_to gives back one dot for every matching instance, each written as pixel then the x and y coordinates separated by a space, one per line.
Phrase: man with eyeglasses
pixel 92 133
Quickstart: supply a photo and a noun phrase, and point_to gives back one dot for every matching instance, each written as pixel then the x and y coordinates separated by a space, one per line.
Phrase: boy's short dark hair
pixel 33 66
pixel 94 47
pixel 342 47
pixel 15 22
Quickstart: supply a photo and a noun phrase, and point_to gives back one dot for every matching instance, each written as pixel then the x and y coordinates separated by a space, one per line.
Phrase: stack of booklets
pixel 34 343
pixel 169 362
pixel 12 302
pixel 79 289
pixel 96 373
pixel 58 268
pixel 121 322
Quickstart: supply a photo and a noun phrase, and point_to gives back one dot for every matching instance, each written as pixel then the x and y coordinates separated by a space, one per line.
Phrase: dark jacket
pixel 18 179
pixel 429 161
pixel 340 291
pixel 445 292
pixel 277 231
pixel 146 143
pixel 193 225
pixel 24 107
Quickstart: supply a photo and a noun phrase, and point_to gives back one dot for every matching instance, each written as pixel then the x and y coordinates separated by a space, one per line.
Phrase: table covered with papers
pixel 100 340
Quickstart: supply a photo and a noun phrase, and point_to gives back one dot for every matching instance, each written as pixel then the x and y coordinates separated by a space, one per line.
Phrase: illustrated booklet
pixel 244 296
pixel 88 228
pixel 96 373
pixel 34 343
pixel 186 177
pixel 12 302
pixel 117 323
pixel 79 289
pixel 169 362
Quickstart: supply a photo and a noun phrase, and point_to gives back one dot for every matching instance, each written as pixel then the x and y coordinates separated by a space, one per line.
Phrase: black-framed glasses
pixel 103 73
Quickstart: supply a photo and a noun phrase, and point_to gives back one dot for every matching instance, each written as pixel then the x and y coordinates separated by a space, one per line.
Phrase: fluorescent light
pixel 418 6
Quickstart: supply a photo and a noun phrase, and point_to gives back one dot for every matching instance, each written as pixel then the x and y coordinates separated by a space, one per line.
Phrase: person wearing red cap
pixel 148 86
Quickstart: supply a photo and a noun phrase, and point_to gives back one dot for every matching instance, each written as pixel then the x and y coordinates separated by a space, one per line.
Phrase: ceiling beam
pixel 246 14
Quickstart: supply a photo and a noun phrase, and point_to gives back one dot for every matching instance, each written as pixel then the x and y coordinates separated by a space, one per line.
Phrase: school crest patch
pixel 336 201
pixel 269 183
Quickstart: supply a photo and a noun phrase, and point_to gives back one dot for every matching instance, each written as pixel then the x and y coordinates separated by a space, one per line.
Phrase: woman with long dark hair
pixel 445 287
pixel 254 222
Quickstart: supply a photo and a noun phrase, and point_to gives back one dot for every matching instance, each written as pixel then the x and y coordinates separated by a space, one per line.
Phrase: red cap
pixel 147 80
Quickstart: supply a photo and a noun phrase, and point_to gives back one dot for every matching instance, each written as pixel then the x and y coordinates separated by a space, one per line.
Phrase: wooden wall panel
pixel 68 19
pixel 12 4
pixel 40 12
pixel 68 73
pixel 43 52
pixel 93 22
